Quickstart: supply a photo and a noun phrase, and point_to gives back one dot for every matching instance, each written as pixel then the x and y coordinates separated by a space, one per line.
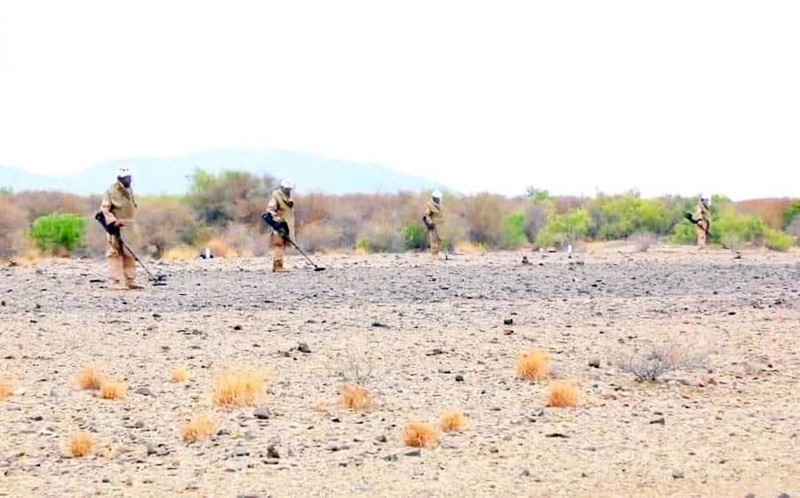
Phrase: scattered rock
pixel 57 392
pixel 138 425
pixel 381 439
pixel 658 421
pixel 224 432
pixel 508 321
pixel 144 391
pixel 241 451
pixel 237 327
pixel 784 495
pixel 435 352
pixel 303 348
pixel 595 363
pixel 249 435
pixel 525 473
pixel 459 378
pixel 272 452
pixel 263 413
pixel 525 260
pixel 677 474
pixel 377 324
pixel 390 458
pixel 414 453
pixel 494 450
pixel 151 450
pixel 557 434
pixel 750 495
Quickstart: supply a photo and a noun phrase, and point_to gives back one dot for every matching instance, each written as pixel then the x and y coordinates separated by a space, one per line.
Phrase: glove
pixel 428 223
pixel 282 228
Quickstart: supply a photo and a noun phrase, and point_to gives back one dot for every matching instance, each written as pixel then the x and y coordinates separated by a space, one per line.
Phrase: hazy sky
pixel 670 96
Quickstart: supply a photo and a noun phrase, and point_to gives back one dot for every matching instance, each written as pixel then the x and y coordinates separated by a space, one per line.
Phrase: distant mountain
pixel 154 176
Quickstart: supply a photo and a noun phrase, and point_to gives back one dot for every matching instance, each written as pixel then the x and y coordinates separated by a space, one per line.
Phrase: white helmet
pixel 436 194
pixel 123 172
pixel 706 199
pixel 287 184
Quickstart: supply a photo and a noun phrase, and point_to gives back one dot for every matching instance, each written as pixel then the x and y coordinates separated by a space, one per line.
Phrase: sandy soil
pixel 727 430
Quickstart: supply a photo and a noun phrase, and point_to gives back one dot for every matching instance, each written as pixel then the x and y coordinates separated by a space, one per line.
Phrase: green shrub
pixel 731 225
pixel 791 214
pixel 58 233
pixel 514 231
pixel 683 233
pixel 563 228
pixel 414 236
pixel 777 240
pixel 621 216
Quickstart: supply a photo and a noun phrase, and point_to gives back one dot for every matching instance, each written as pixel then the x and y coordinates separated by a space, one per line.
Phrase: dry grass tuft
pixel 420 435
pixel 90 378
pixel 533 365
pixel 113 390
pixel 6 388
pixel 200 428
pixel 562 394
pixel 453 421
pixel 356 397
pixel 238 387
pixel 180 374
pixel 466 247
pixel 81 444
pixel 181 253
pixel 222 249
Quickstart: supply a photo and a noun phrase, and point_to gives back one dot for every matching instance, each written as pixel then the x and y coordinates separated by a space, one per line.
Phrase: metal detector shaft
pixel 316 268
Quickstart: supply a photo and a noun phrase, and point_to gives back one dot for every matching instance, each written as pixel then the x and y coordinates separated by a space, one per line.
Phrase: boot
pixel 134 286
pixel 277 265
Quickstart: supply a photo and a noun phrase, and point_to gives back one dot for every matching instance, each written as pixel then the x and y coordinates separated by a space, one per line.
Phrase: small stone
pixel 677 474
pixel 659 421
pixel 750 495
pixel 241 451
pixel 151 450
pixel 263 413
pixel 595 363
pixel 459 378
pixel 303 348
pixel 138 425
pixel 526 473
pixel 784 495
pixel 249 435
pixel 272 452
pixel 381 438
pixel 414 453
pixel 390 458
pixel 237 327
pixel 508 321
pixel 494 450
pixel 144 391
pixel 223 432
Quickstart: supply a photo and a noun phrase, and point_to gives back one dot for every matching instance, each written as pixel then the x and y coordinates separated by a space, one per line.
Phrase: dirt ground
pixel 434 337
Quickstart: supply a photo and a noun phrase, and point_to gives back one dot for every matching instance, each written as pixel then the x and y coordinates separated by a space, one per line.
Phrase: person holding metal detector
pixel 117 209
pixel 433 218
pixel 701 220
pixel 280 217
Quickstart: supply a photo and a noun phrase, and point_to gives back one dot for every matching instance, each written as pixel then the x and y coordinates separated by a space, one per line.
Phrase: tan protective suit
pixel 703 217
pixel 119 205
pixel 434 214
pixel 281 206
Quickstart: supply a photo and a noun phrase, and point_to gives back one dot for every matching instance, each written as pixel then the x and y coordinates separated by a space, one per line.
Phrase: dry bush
pixel 420 435
pixel 201 427
pixel 113 390
pixel 81 444
pixel 664 358
pixel 180 374
pixel 12 227
pixel 41 203
pixel 166 222
pixel 6 388
pixel 643 241
pixel 356 397
pixel 769 210
pixel 466 247
pixel 533 365
pixel 238 387
pixel 318 236
pixel 453 421
pixel 180 253
pixel 221 249
pixel 90 378
pixel 561 394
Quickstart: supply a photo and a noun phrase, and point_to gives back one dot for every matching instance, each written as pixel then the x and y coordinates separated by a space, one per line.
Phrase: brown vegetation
pixel 453 421
pixel 201 427
pixel 6 388
pixel 180 374
pixel 356 397
pixel 238 387
pixel 561 394
pixel 81 444
pixel 90 378
pixel 113 390
pixel 420 435
pixel 533 365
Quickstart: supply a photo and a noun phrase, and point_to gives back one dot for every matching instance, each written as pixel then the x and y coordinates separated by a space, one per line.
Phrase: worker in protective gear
pixel 702 216
pixel 119 208
pixel 281 208
pixel 433 218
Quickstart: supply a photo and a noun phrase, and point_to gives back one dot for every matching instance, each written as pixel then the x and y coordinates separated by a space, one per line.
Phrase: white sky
pixel 670 96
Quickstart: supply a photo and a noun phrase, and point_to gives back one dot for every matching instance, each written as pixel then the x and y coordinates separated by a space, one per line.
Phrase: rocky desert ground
pixel 424 337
